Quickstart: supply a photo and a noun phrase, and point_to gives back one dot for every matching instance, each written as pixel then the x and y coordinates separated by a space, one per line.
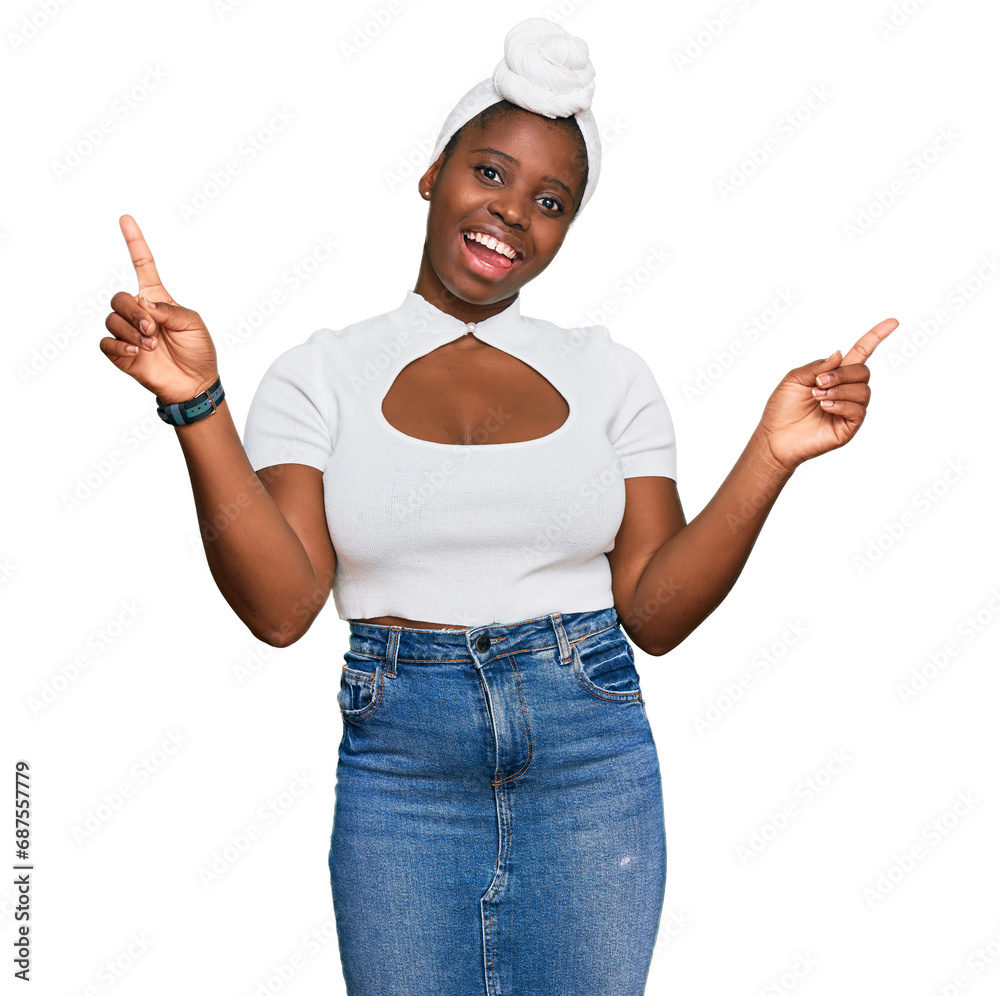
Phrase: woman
pixel 492 501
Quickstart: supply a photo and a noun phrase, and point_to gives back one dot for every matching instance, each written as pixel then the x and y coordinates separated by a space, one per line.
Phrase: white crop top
pixel 464 534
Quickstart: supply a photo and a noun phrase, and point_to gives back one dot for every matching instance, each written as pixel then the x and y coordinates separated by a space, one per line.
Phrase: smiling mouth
pixel 487 261
pixel 489 240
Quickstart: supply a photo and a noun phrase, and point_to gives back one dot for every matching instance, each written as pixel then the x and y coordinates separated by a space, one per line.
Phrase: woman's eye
pixel 549 203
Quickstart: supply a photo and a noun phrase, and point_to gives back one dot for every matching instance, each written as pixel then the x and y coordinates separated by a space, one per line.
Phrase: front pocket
pixel 605 667
pixel 361 686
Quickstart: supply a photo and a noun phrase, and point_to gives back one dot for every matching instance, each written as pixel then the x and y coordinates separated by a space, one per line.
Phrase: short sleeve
pixel 292 415
pixel 642 431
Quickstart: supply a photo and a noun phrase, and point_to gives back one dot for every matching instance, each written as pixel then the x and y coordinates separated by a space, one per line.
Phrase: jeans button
pixel 483 643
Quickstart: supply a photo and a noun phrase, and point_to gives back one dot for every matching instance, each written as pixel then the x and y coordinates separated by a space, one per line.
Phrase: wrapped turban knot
pixel 546 70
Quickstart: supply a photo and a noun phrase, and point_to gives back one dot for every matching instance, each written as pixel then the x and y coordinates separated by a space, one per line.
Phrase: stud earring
pixel 427 193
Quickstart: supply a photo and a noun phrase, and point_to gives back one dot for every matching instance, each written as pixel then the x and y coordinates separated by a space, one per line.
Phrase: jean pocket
pixel 362 684
pixel 604 664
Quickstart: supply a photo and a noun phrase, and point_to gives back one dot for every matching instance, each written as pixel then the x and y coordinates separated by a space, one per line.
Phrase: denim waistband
pixel 479 643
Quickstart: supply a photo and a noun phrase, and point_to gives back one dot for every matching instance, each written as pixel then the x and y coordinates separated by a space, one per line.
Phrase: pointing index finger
pixel 865 346
pixel 150 285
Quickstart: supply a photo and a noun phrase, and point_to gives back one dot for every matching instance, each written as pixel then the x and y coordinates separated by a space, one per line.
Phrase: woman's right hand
pixel 177 360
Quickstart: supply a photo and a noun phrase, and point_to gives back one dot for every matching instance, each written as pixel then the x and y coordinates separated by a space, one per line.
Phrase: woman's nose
pixel 509 210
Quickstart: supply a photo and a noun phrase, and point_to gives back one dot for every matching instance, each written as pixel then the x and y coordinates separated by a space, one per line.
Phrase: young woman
pixel 492 501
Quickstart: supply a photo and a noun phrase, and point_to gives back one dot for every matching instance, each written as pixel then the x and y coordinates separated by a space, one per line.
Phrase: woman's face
pixel 518 180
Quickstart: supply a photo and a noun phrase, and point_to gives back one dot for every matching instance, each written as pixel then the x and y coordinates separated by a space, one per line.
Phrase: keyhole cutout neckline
pixel 418 313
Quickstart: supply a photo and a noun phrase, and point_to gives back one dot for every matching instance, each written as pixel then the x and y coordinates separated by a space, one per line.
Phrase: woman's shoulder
pixel 329 339
pixel 590 342
pixel 594 346
pixel 599 349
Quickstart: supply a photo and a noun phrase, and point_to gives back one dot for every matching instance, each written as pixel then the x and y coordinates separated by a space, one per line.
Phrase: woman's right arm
pixel 264 533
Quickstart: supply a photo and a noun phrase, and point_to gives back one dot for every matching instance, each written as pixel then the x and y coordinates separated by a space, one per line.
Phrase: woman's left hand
pixel 799 424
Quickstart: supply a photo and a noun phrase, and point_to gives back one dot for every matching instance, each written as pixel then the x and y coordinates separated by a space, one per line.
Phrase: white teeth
pixel 492 243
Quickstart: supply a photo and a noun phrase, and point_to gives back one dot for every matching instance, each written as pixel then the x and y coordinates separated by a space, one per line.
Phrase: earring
pixel 427 193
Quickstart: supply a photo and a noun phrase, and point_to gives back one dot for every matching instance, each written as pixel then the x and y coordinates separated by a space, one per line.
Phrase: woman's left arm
pixel 668 576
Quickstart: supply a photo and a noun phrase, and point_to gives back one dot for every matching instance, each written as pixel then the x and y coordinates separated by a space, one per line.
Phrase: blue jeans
pixel 498 825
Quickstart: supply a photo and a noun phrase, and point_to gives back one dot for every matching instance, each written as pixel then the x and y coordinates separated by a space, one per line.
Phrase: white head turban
pixel 547 70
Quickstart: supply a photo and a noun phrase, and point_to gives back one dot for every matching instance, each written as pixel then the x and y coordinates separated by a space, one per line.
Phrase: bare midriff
pixel 408 623
pixel 464 392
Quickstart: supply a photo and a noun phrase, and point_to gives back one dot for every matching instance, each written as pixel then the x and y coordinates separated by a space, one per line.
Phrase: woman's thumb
pixel 808 372
pixel 162 313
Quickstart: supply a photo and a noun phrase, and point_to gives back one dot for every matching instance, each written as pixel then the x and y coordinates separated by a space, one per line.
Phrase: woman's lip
pixel 484 269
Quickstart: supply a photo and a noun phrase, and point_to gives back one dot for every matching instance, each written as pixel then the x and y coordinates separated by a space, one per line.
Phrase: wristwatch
pixel 186 412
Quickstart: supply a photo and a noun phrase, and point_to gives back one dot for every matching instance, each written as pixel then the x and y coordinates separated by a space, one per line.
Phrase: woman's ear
pixel 426 183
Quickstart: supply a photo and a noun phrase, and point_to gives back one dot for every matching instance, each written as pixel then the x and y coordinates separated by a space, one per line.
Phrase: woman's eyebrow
pixel 497 152
pixel 516 162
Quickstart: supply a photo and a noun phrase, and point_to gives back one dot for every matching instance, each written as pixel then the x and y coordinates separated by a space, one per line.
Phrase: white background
pixel 880 554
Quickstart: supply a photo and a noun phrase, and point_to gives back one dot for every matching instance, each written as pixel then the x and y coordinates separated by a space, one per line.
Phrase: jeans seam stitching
pixel 531 742
pixel 606 694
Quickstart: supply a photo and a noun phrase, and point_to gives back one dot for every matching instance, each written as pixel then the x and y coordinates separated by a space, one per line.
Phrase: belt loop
pixel 565 650
pixel 392 650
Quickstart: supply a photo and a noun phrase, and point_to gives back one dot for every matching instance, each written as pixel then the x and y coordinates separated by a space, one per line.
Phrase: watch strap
pixel 186 412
